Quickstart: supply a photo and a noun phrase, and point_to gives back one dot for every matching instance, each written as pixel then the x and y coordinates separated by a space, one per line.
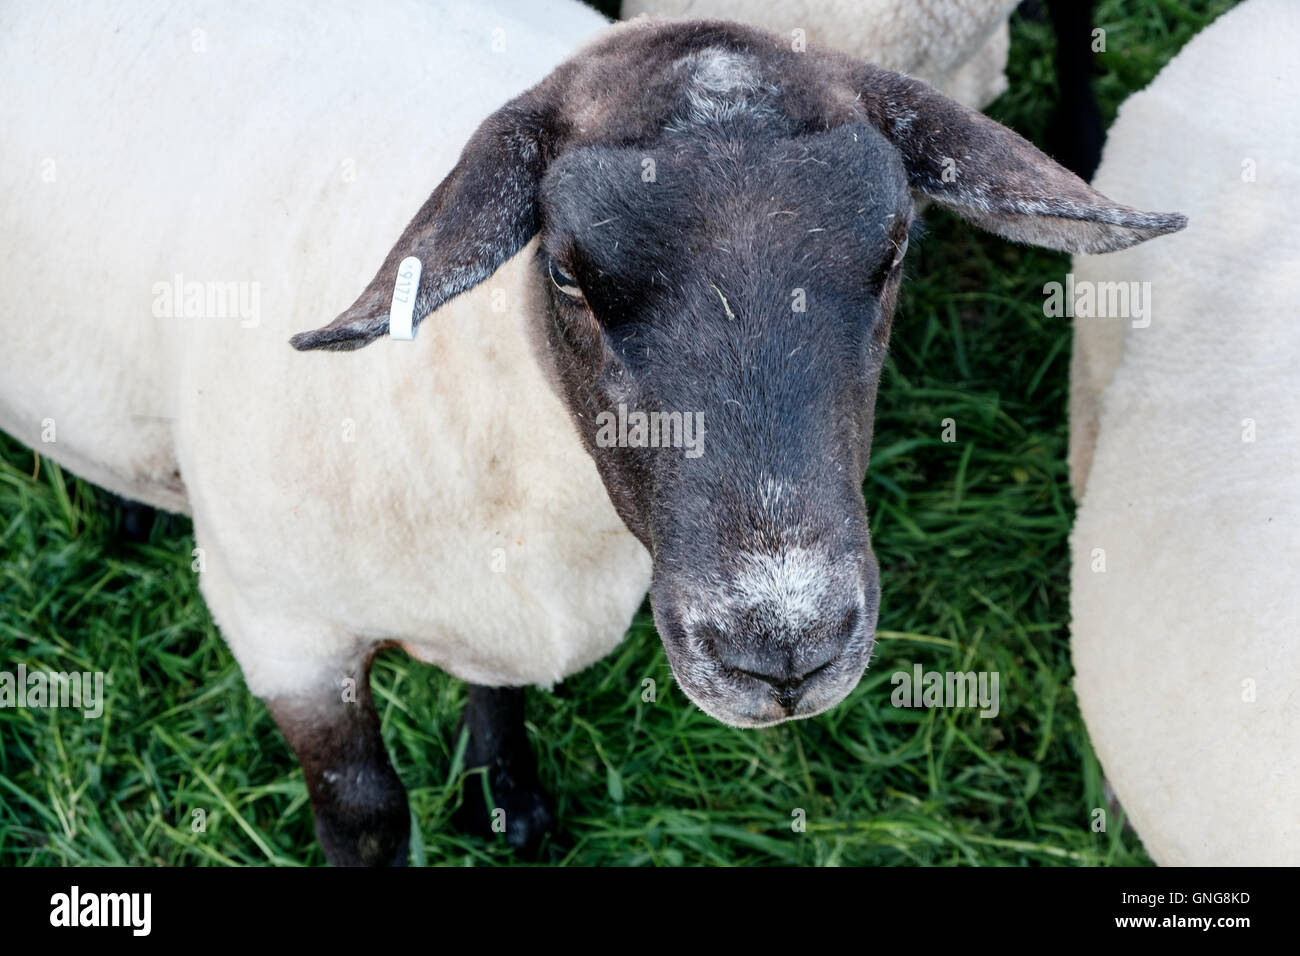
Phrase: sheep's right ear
pixel 477 218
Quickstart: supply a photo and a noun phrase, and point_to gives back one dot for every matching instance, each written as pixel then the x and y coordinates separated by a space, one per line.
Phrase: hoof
pixel 366 824
pixel 519 812
pixel 378 843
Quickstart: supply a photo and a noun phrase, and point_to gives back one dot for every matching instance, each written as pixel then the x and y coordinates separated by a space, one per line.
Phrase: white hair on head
pixel 723 84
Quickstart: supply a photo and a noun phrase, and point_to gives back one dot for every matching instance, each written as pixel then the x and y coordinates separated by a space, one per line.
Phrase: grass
pixel 972 541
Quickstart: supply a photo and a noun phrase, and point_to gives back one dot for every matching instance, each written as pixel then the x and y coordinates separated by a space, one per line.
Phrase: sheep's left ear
pixel 478 217
pixel 990 175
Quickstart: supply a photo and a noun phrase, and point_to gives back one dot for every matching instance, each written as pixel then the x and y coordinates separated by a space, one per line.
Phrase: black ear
pixel 479 216
pixel 995 178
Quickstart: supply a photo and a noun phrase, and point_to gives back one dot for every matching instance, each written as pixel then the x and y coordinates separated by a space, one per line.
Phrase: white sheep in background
pixel 957 46
pixel 1185 458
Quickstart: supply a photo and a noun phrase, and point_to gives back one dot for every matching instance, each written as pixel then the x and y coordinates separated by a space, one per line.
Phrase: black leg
pixel 362 815
pixel 1076 137
pixel 137 520
pixel 498 742
pixel 134 520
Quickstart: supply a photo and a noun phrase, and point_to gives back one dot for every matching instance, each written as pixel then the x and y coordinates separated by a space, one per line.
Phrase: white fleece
pixel 432 493
pixel 957 46
pixel 1185 456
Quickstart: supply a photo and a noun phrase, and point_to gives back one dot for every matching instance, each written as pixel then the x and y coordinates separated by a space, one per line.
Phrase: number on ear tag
pixel 401 312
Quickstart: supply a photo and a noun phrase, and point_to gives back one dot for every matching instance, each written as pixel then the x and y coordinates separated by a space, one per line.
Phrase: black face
pixel 741 282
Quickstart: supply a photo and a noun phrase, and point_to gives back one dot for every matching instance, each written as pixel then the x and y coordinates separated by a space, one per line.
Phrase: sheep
pixel 687 219
pixel 957 46
pixel 1185 444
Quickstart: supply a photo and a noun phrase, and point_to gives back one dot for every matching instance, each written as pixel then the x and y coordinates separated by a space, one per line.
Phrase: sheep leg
pixel 498 743
pixel 136 519
pixel 362 815
pixel 1076 137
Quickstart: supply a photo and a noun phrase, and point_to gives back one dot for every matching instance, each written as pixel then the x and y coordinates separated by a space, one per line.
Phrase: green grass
pixel 971 538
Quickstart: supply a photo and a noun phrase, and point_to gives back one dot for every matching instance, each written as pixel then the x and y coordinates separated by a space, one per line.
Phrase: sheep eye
pixel 565 282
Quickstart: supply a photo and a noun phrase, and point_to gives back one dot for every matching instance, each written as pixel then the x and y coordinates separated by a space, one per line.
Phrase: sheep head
pixel 722 222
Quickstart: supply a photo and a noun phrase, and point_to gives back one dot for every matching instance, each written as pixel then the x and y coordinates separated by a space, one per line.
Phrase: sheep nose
pixel 773 636
pixel 785 671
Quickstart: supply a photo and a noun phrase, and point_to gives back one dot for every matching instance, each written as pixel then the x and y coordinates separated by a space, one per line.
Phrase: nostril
pixel 787 667
pixel 788 683
pixel 779 682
